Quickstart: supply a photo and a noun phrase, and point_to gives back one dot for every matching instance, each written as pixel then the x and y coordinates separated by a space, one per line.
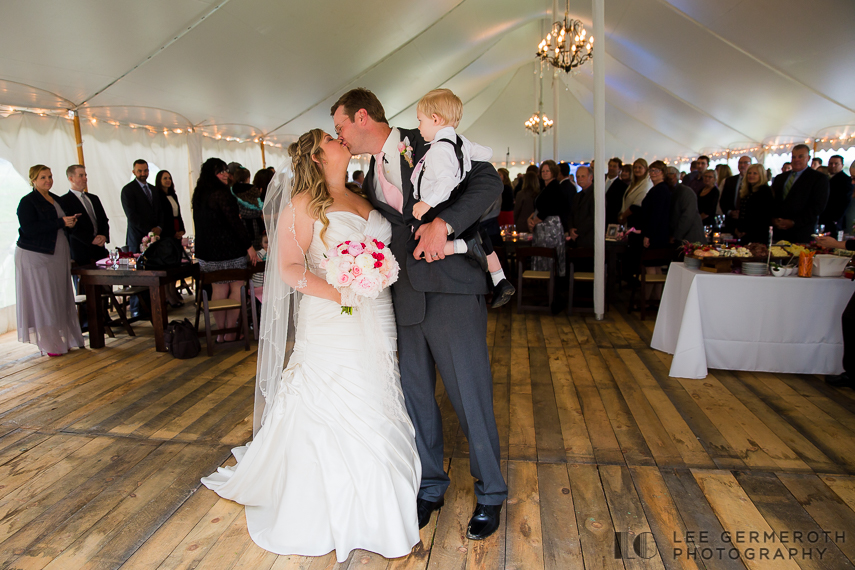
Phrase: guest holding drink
pixel 44 296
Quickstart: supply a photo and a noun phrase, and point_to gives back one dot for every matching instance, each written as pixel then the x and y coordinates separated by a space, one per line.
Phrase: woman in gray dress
pixel 45 298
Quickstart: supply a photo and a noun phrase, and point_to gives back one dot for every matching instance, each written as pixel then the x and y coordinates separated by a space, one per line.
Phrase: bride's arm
pixel 292 245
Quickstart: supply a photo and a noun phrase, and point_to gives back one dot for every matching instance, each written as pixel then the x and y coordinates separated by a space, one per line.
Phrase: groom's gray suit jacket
pixel 454 274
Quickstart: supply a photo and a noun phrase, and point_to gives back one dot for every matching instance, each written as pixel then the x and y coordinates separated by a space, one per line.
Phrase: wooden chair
pixel 574 256
pixel 523 255
pixel 206 306
pixel 644 279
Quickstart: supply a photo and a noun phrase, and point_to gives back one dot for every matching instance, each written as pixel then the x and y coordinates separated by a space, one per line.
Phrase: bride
pixel 333 461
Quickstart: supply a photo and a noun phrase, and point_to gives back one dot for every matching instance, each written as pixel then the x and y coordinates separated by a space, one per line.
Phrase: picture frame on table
pixel 612 232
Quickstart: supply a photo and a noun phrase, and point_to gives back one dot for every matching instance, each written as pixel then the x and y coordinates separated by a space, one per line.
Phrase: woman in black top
pixel 44 298
pixel 173 224
pixel 655 217
pixel 708 198
pixel 506 215
pixel 756 205
pixel 546 223
pixel 222 241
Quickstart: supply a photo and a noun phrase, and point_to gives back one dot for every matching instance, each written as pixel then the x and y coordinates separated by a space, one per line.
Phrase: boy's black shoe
pixel 502 293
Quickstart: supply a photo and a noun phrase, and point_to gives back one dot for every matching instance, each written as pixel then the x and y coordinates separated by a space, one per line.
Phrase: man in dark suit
pixel 800 197
pixel 568 190
pixel 439 306
pixel 839 195
pixel 615 190
pixel 582 217
pixel 695 179
pixel 92 230
pixel 729 201
pixel 142 207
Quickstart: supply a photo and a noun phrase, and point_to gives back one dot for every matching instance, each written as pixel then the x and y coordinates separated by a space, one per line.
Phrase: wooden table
pixel 93 276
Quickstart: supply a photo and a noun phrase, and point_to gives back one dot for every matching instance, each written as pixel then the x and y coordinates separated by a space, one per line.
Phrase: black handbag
pixel 181 339
pixel 162 254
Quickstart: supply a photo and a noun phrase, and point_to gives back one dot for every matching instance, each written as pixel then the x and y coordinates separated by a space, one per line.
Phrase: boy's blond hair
pixel 443 103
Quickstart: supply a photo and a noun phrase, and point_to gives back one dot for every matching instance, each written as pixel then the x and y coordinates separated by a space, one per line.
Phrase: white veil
pixel 279 309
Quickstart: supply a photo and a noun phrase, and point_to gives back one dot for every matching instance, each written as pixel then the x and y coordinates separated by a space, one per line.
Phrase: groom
pixel 439 306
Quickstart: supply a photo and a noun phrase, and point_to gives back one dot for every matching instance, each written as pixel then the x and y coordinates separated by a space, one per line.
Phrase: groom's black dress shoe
pixel 484 521
pixel 425 508
pixel 475 251
pixel 839 381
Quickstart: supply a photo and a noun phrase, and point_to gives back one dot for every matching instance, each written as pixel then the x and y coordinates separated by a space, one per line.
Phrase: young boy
pixel 442 169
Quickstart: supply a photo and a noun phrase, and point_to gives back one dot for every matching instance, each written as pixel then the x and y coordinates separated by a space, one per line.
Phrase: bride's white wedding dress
pixel 335 464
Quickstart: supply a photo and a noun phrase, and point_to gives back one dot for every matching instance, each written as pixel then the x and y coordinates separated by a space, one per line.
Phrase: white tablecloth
pixel 738 322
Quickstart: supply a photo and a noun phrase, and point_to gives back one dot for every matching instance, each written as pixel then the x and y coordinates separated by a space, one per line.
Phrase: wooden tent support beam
pixel 263 159
pixel 78 139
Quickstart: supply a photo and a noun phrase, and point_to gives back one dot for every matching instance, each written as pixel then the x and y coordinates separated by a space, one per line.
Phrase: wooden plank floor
pixel 610 462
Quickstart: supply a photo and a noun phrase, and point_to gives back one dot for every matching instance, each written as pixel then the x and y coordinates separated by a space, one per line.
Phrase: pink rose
pixel 356 271
pixel 344 279
pixel 355 249
pixel 401 146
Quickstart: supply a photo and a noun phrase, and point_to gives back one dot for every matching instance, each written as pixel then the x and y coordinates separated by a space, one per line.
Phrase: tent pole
pixel 78 139
pixel 554 96
pixel 600 158
pixel 263 160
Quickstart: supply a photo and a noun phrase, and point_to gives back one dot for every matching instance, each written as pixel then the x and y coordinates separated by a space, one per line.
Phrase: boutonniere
pixel 406 151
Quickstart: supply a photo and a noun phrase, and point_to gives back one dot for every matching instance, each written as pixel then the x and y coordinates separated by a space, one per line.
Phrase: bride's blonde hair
pixel 309 175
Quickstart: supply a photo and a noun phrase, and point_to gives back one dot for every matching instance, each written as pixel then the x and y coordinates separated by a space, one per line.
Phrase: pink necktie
pixel 394 197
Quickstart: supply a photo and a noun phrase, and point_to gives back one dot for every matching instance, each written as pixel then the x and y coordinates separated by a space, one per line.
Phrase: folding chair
pixel 206 306
pixel 523 255
pixel 644 279
pixel 574 256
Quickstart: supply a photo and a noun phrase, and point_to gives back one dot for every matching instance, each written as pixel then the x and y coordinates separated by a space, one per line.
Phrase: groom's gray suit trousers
pixel 452 337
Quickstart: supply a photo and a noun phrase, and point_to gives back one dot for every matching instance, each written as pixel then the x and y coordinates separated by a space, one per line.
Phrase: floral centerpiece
pixel 360 267
pixel 148 240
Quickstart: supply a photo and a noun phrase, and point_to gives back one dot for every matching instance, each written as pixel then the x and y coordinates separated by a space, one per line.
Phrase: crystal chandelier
pixel 568 45
pixel 534 123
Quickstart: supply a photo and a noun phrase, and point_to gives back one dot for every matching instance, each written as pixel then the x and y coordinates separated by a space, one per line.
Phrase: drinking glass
pixel 114 258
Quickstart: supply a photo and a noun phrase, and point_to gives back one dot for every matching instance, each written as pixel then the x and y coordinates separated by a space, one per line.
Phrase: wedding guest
pixel 636 192
pixel 222 241
pixel 567 183
pixel 616 190
pixel 141 208
pixel 173 222
pixel 722 173
pixel 249 205
pixel 694 180
pixel 550 208
pixel 524 200
pixel 582 216
pixel 358 177
pixel 44 296
pixel 686 224
pixel 613 173
pixel 506 215
pixel 708 197
pixel 655 218
pixel 786 167
pixel 261 181
pixel 800 197
pixel 729 202
pixel 755 207
pixel 839 195
pixel 530 168
pixel 815 163
pixel 92 230
pixel 173 225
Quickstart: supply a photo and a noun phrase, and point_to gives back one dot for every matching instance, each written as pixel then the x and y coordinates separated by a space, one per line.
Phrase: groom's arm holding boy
pixel 483 187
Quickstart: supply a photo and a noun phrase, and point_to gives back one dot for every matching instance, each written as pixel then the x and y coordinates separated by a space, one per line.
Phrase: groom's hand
pixel 432 238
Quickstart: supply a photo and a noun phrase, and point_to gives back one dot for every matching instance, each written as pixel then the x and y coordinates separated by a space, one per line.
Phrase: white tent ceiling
pixel 682 76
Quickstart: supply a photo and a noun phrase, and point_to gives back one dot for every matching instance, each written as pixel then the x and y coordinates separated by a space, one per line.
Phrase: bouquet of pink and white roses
pixel 148 240
pixel 360 267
